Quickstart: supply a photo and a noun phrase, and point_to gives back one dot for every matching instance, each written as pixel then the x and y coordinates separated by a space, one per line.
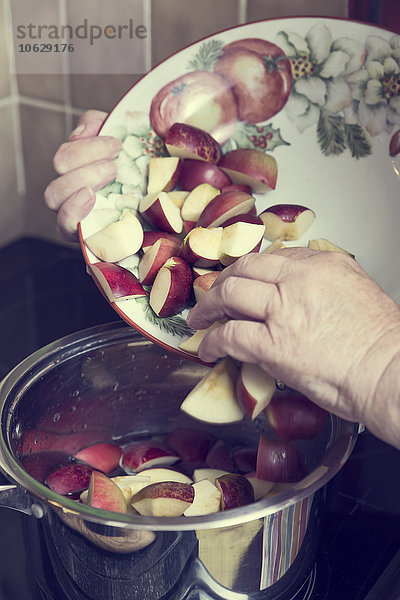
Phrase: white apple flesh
pixel 172 287
pixel 197 200
pixel 164 172
pixel 239 239
pixel 260 487
pixel 116 282
pixel 192 344
pixel 207 473
pixel 286 221
pixel 163 499
pixel 224 206
pixel 201 246
pixel 206 501
pixel 250 167
pixel 155 257
pixel 118 240
pixel 185 141
pixel 254 389
pixel 159 210
pixel 157 475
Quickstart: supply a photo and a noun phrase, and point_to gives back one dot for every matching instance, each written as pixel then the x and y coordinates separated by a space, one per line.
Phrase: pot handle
pixel 15 497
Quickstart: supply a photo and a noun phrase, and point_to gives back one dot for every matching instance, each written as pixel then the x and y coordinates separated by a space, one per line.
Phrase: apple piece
pixel 286 221
pixel 185 141
pixel 279 461
pixel 104 493
pixel 194 172
pixel 156 475
pixel 151 237
pixel 201 246
pixel 245 458
pixel 260 487
pixel 327 246
pixel 40 464
pixel 197 200
pixel 116 282
pixel 178 197
pixel 171 288
pixel 197 271
pixel 292 416
pixel 70 479
pixel 225 206
pixel 159 210
pixel 239 239
pixel 243 218
pixel 102 456
pixel 188 226
pixel 163 499
pixel 145 454
pixel 203 283
pixel 118 240
pixel 213 399
pixel 238 187
pixel 252 167
pixel 156 256
pixel 218 457
pixel 254 389
pixel 207 499
pixel 276 245
pixel 131 484
pixel 235 490
pixel 192 344
pixel 207 473
pixel 191 444
pixel 164 172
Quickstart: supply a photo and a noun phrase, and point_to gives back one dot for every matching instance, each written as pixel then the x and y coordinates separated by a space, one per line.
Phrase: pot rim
pixel 90 338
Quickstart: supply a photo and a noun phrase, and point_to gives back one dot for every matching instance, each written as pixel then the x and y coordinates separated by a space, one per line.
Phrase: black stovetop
pixel 46 294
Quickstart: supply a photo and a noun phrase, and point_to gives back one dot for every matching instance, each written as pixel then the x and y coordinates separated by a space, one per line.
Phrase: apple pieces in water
pixel 145 454
pixel 235 490
pixel 70 479
pixel 279 461
pixel 104 493
pixel 164 499
pixel 206 501
pixel 102 456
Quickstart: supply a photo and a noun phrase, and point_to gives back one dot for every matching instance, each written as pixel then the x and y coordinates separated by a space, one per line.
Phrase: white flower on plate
pixel 320 66
pixel 376 87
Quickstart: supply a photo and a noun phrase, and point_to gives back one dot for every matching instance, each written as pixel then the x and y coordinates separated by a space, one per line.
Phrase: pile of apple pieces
pixel 204 226
pixel 190 472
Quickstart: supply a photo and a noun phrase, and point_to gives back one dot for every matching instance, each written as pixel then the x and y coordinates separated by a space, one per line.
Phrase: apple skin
pixel 254 389
pixel 145 454
pixel 178 101
pixel 151 237
pixel 116 282
pixel 156 256
pixel 104 493
pixel 202 284
pixel 292 416
pixel 164 499
pixel 279 461
pixel 186 141
pixel 191 444
pixel 286 221
pixel 223 206
pixel 194 172
pixel 244 218
pixel 164 173
pixel 239 239
pixel 197 200
pixel 251 167
pixel 161 212
pixel 206 501
pixel 102 456
pixel 201 245
pixel 172 287
pixel 207 473
pixel 70 480
pixel 261 78
pixel 235 489
pixel 40 464
pixel 238 187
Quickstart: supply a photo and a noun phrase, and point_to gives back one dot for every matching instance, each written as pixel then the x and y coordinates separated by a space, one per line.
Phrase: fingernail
pixel 115 144
pixel 84 196
pixel 78 130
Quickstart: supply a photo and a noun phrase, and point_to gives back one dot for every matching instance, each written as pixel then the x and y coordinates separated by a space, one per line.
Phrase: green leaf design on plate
pixel 330 132
pixel 261 137
pixel 206 56
pixel 175 325
pixel 356 140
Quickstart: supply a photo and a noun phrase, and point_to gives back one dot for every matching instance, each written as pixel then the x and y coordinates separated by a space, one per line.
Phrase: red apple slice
pixel 164 499
pixel 164 174
pixel 197 200
pixel 251 167
pixel 191 444
pixel 235 489
pixel 157 475
pixel 118 240
pixel 192 344
pixel 202 284
pixel 178 197
pixel 130 484
pixel 186 141
pixel 159 210
pixel 116 282
pixel 254 389
pixel 70 479
pixel 102 456
pixel 327 246
pixel 195 172
pixel 207 499
pixel 260 487
pixel 104 493
pixel 171 288
pixel 239 239
pixel 286 221
pixel 151 237
pixel 218 457
pixel 223 207
pixel 207 473
pixel 243 218
pixel 238 187
pixel 146 454
pixel 245 458
pixel 279 461
pixel 201 246
pixel 155 257
pixel 197 271
pixel 213 399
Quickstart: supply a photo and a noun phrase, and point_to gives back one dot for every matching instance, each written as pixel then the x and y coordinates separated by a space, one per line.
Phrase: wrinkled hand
pixel 84 164
pixel 312 319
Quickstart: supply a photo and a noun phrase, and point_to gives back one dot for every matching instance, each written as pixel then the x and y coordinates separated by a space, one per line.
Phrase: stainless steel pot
pixel 110 383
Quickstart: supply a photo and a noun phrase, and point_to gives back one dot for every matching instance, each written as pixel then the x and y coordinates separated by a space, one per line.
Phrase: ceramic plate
pixel 330 121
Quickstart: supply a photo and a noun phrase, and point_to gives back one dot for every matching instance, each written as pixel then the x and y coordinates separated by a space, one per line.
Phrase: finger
pixel 73 211
pixel 236 298
pixel 95 176
pixel 261 267
pixel 72 155
pixel 89 124
pixel 244 341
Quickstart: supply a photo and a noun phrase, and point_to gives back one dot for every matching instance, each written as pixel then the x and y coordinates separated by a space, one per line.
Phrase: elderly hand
pixel 316 321
pixel 84 164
